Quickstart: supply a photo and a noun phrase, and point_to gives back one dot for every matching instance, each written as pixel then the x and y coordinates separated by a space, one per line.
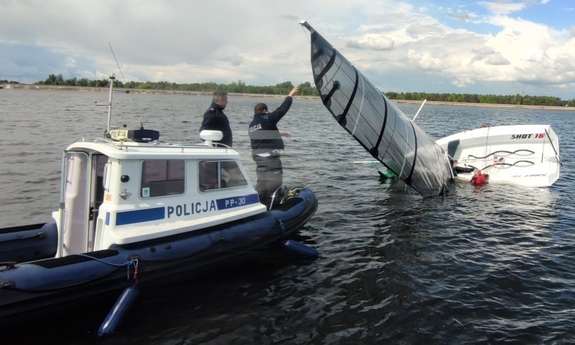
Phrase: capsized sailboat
pixel 377 123
pixel 526 155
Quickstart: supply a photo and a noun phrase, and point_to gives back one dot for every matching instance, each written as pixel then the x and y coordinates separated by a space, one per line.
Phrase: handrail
pixel 553 146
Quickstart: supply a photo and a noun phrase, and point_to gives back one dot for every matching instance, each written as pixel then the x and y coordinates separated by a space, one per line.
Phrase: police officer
pixel 267 144
pixel 215 119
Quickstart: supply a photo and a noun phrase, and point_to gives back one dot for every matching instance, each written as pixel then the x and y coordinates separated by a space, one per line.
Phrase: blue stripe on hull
pixel 139 216
pixel 158 213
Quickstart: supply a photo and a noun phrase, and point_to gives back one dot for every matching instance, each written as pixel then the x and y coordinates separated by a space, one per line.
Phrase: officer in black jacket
pixel 267 145
pixel 215 119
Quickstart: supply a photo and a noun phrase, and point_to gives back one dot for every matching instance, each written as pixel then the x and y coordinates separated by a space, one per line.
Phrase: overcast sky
pixel 460 46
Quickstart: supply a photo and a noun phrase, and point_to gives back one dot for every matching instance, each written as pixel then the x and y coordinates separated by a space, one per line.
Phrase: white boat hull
pixel 529 154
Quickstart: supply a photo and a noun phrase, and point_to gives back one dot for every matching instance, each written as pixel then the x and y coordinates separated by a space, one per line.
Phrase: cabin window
pixel 220 174
pixel 162 177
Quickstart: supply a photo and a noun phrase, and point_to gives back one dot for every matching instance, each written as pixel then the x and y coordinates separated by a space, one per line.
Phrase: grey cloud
pixel 484 50
pixel 489 56
pixel 497 60
pixel 35 63
pixel 355 45
pixel 236 62
pixel 290 17
pixel 425 30
pixel 461 16
pixel 372 43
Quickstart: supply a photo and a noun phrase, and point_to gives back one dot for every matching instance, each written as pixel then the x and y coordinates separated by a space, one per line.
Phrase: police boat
pixel 134 210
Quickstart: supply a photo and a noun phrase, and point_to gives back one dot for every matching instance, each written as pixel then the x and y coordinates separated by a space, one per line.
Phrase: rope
pixel 127 264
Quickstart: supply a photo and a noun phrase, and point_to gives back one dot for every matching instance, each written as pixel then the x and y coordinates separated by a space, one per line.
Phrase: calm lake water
pixel 478 266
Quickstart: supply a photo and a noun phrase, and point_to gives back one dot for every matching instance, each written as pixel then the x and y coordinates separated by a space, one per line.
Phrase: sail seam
pixel 362 98
pixel 406 147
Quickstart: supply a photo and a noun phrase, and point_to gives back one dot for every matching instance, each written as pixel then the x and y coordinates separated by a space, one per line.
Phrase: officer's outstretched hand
pixel 293 91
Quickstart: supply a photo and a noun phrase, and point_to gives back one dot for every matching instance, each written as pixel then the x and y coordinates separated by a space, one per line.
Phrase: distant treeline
pixel 488 99
pixel 306 89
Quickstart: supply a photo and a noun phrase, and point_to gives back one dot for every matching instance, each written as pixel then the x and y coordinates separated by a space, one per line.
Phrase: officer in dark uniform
pixel 216 120
pixel 267 145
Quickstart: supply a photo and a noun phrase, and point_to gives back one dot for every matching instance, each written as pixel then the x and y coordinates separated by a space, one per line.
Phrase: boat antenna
pixel 112 78
pixel 420 107
pixel 117 64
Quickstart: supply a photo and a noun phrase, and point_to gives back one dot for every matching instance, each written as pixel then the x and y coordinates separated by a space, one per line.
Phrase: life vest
pixel 480 180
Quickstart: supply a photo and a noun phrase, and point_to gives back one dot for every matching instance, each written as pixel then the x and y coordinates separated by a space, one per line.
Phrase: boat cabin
pixel 130 188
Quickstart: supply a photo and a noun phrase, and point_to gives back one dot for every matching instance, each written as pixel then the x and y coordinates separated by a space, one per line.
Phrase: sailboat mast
pixel 420 107
pixel 306 25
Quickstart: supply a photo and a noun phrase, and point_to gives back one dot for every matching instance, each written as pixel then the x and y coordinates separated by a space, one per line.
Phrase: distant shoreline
pixel 136 91
pixel 488 105
pixel 201 93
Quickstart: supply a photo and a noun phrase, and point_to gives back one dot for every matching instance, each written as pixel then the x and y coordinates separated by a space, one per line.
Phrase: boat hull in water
pixel 35 289
pixel 28 242
pixel 526 155
pixel 376 122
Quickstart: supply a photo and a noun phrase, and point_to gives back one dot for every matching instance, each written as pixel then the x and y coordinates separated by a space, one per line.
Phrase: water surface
pixel 481 265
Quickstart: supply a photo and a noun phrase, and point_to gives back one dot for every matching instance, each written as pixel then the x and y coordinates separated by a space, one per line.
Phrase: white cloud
pixel 261 43
pixel 70 62
pixel 374 42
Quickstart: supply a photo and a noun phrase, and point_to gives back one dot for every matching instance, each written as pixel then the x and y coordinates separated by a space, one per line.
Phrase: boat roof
pixel 153 150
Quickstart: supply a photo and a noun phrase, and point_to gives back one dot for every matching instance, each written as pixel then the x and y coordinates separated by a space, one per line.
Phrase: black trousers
pixel 269 173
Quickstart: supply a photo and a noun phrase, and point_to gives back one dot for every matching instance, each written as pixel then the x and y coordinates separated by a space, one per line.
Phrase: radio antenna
pixel 117 64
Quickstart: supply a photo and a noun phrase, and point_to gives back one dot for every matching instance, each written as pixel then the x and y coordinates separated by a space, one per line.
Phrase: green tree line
pixel 306 89
pixel 488 99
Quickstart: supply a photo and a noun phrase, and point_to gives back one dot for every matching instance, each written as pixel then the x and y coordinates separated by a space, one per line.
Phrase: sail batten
pixel 376 122
pixel 326 68
pixel 353 92
pixel 376 152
